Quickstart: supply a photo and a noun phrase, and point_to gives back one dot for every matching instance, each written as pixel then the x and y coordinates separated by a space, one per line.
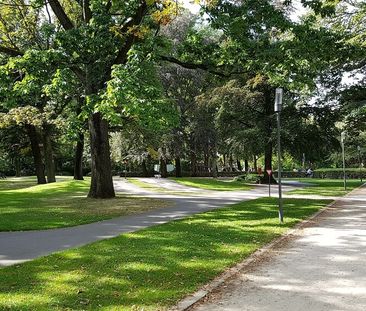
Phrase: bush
pixel 249 178
pixel 331 173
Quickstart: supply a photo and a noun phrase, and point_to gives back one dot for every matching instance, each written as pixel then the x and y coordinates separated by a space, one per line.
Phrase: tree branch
pixel 87 13
pixel 121 57
pixel 10 51
pixel 193 65
pixel 64 20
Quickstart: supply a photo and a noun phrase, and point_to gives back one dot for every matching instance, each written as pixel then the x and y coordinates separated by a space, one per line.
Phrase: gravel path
pixel 322 270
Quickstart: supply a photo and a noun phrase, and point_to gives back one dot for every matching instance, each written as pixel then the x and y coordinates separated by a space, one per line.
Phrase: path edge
pixel 189 301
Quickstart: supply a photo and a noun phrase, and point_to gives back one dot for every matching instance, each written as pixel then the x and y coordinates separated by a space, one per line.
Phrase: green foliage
pixel 249 178
pixel 135 91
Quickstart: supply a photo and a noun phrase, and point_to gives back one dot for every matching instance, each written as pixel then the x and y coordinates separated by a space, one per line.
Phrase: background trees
pixel 174 88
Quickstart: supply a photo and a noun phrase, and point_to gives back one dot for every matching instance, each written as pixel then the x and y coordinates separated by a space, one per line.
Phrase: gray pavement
pixel 323 269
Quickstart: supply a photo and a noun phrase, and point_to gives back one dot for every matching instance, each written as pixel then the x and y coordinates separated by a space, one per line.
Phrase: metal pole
pixel 359 161
pixel 280 203
pixel 269 185
pixel 343 135
pixel 277 109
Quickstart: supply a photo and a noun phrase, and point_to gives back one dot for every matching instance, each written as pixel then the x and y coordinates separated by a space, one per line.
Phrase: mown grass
pixel 212 184
pixel 150 269
pixel 62 204
pixel 14 183
pixel 326 187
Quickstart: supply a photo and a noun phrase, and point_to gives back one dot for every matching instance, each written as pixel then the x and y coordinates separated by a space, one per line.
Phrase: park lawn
pixel 326 187
pixel 13 183
pixel 212 184
pixel 150 269
pixel 63 204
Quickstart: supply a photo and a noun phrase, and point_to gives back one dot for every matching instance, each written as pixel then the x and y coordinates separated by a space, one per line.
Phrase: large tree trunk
pixel 163 168
pixel 246 165
pixel 145 172
pixel 101 172
pixel 48 155
pixel 268 163
pixel 37 155
pixel 239 165
pixel 268 148
pixel 17 165
pixel 255 164
pixel 206 161
pixel 214 161
pixel 78 157
pixel 231 163
pixel 178 167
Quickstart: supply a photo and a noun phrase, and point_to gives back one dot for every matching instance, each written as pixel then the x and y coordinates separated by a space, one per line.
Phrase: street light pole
pixel 277 109
pixel 359 161
pixel 343 136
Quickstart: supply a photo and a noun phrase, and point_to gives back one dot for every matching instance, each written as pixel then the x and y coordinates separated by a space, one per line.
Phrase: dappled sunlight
pixel 64 204
pixel 153 267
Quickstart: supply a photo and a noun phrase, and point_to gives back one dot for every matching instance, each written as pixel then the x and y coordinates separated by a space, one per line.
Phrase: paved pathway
pixel 322 270
pixel 16 247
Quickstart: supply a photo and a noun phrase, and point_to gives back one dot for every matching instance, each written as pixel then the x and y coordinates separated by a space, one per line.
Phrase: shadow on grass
pixel 151 268
pixel 63 204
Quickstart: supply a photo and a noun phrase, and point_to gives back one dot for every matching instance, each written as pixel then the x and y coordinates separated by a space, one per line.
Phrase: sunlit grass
pixel 150 269
pixel 62 204
pixel 212 184
pixel 326 187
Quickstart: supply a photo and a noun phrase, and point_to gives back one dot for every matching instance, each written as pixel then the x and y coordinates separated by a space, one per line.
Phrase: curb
pixel 188 302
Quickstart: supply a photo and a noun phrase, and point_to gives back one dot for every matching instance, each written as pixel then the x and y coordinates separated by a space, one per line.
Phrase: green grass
pixel 212 184
pixel 17 183
pixel 150 269
pixel 326 187
pixel 62 204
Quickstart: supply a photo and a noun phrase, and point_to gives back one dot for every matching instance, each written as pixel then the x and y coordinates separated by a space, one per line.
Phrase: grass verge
pixel 326 187
pixel 150 269
pixel 63 204
pixel 212 184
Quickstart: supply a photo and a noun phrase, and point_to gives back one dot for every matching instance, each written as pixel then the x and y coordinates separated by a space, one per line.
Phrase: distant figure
pixel 309 173
pixel 259 171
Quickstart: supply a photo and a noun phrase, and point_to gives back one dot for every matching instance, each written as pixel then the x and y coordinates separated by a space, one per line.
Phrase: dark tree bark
pixel 17 164
pixel 268 148
pixel 48 154
pixel 78 157
pixel 231 162
pixel 206 161
pixel 178 168
pixel 214 161
pixel 37 155
pixel 163 168
pixel 246 165
pixel 101 171
pixel 145 172
pixel 255 166
pixel 193 164
pixel 239 165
